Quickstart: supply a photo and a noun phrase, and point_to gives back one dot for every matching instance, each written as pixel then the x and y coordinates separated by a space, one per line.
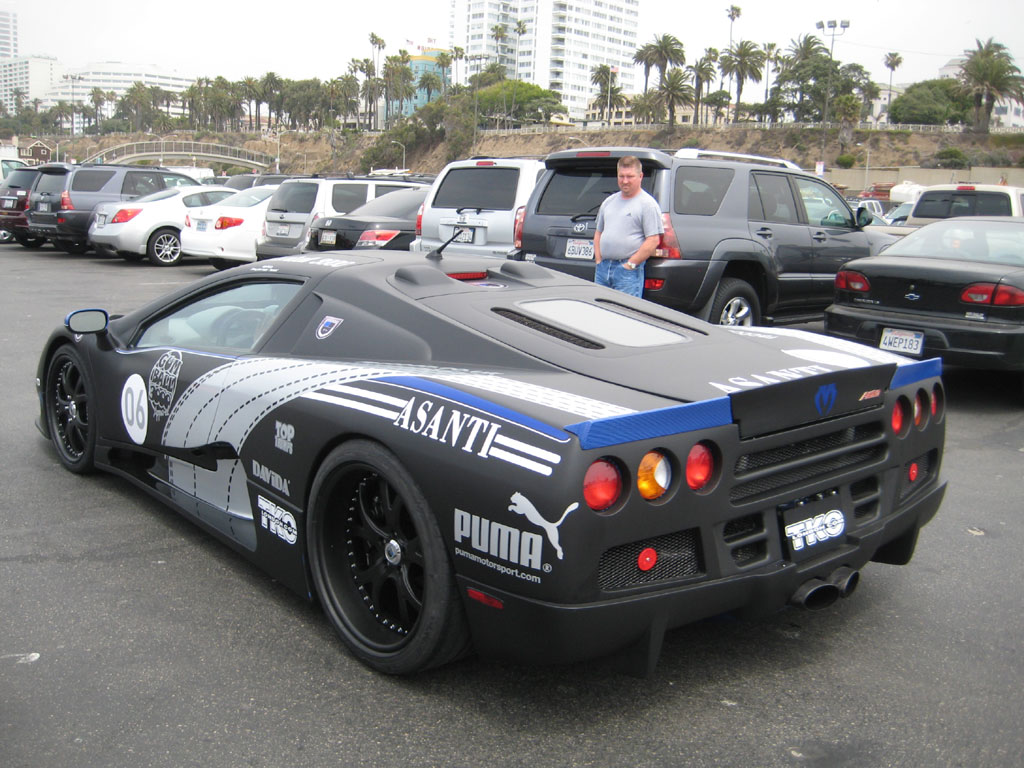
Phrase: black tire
pixel 164 247
pixel 735 304
pixel 68 404
pixel 30 242
pixel 222 264
pixel 128 256
pixel 379 563
pixel 76 247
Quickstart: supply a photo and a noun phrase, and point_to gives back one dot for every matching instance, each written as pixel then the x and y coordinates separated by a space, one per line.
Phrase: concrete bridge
pixel 162 151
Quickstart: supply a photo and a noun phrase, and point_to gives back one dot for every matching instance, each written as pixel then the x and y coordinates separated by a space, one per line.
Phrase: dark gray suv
pixel 747 241
pixel 62 201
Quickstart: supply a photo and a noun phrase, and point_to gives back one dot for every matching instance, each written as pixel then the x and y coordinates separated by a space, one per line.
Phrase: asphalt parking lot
pixel 131 638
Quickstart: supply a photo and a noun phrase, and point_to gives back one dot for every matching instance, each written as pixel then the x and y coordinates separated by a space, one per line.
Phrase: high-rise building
pixel 8 34
pixel 552 43
pixel 27 79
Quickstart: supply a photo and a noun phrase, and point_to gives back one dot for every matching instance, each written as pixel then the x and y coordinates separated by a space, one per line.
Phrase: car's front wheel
pixel 379 563
pixel 735 304
pixel 68 406
pixel 164 247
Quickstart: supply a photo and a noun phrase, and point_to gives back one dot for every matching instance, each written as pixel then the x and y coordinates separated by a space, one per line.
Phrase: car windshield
pixel 995 242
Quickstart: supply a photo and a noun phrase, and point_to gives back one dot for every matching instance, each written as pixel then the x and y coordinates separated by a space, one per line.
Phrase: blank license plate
pixel 328 237
pixel 904 342
pixel 44 207
pixel 200 226
pixel 9 203
pixel 463 234
pixel 283 230
pixel 579 249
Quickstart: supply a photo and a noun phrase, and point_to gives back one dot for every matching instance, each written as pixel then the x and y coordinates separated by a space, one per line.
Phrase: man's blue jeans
pixel 612 274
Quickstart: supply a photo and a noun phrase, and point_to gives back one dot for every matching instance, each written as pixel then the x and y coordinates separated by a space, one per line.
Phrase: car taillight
pixel 978 293
pixel 668 244
pixel 848 280
pixel 188 221
pixel 517 229
pixel 377 237
pixel 653 283
pixel 464 276
pixel 899 420
pixel 921 409
pixel 227 222
pixel 654 475
pixel 125 214
pixel 1008 296
pixel 65 201
pixel 602 485
pixel 700 466
pixel 419 221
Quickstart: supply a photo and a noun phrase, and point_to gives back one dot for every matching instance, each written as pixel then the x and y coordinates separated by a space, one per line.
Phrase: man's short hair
pixel 630 161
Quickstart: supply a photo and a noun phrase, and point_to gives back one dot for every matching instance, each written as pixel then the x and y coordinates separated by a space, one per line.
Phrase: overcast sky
pixel 300 40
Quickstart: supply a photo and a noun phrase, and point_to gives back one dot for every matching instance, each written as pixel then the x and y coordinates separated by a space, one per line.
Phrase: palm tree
pixel 647 108
pixel 458 54
pixel 443 61
pixel 702 72
pixel 646 56
pixel 98 97
pixel 349 95
pixel 430 82
pixel 675 91
pixel 743 61
pixel 988 74
pixel 603 76
pixel 669 53
pixel 892 62
pixel 805 48
pixel 271 88
pixel 520 29
pixel 771 56
pixel 499 33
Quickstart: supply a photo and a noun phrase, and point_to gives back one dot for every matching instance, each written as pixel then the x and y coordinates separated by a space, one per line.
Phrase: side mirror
pixel 864 217
pixel 87 321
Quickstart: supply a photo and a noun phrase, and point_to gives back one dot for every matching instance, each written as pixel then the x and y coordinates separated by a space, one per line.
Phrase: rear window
pixel 401 204
pixel 489 188
pixel 576 191
pixel 90 181
pixel 348 196
pixel 944 204
pixel 294 198
pixel 51 182
pixel 20 178
pixel 700 191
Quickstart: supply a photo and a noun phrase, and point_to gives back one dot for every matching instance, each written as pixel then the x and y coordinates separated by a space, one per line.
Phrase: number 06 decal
pixel 135 408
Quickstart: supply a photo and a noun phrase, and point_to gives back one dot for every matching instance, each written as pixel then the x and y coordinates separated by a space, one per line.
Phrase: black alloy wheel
pixel 379 564
pixel 68 406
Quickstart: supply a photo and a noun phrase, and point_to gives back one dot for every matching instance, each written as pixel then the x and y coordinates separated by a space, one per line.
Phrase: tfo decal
pixel 135 408
pixel 163 380
pixel 813 530
pixel 278 520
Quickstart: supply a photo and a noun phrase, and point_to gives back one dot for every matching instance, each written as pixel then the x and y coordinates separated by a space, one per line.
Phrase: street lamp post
pixel 403 152
pixel 72 79
pixel 832 25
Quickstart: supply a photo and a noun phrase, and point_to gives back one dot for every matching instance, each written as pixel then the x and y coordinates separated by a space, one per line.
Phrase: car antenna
pixel 435 255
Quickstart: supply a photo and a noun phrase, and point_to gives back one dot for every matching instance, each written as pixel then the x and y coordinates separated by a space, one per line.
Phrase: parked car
pixel 462 453
pixel 945 201
pixel 10 164
pixel 898 215
pixel 226 232
pixel 298 203
pixel 387 223
pixel 14 196
pixel 474 203
pixel 748 240
pixel 952 289
pixel 242 181
pixel 151 225
pixel 62 202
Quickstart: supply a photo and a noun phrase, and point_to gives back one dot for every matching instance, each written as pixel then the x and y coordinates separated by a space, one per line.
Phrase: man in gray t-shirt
pixel 629 228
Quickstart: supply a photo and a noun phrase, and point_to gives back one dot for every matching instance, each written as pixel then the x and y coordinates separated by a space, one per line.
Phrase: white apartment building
pixel 563 41
pixel 8 34
pixel 30 76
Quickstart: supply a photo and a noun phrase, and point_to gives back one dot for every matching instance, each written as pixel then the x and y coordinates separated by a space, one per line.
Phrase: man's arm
pixel 645 251
pixel 597 247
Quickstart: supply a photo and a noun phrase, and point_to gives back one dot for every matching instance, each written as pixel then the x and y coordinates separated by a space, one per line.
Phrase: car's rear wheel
pixel 68 406
pixel 76 247
pixel 379 563
pixel 164 247
pixel 735 304
pixel 30 242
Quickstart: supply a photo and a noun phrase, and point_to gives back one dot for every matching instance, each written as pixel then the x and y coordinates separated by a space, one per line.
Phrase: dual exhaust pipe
pixel 817 594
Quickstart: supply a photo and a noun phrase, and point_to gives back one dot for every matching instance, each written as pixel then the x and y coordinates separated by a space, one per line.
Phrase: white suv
pixel 474 203
pixel 297 203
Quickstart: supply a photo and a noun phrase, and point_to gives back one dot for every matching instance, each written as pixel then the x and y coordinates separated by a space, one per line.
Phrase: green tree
pixel 675 91
pixel 430 82
pixel 646 56
pixel 669 52
pixel 444 63
pixel 702 72
pixel 932 102
pixel 743 61
pixel 892 62
pixel 988 75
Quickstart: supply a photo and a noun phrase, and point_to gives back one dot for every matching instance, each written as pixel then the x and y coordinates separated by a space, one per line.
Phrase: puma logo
pixel 523 506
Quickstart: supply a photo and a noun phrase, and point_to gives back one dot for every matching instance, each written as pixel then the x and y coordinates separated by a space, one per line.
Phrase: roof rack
pixel 692 153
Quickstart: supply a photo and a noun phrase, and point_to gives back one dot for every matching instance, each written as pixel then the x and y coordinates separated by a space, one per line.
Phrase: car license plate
pixel 200 226
pixel 813 528
pixel 44 207
pixel 328 237
pixel 579 249
pixel 9 203
pixel 905 342
pixel 463 235
pixel 283 230
pixel 101 220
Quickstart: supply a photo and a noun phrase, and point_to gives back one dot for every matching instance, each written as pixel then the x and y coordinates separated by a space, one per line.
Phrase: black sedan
pixel 456 452
pixel 387 222
pixel 952 289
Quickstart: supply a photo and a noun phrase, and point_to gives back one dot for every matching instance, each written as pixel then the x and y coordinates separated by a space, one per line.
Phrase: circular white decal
pixel 135 408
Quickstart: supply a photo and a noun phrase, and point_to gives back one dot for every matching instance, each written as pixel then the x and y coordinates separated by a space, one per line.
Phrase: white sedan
pixel 151 225
pixel 226 233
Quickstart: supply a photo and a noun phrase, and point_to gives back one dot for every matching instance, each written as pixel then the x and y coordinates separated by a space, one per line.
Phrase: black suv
pixel 14 200
pixel 63 199
pixel 748 240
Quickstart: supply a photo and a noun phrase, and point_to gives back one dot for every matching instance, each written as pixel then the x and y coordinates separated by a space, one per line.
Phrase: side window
pixel 139 183
pixel 824 207
pixel 383 189
pixel 993 204
pixel 232 320
pixel 699 190
pixel 174 180
pixel 777 201
pixel 348 196
pixel 90 181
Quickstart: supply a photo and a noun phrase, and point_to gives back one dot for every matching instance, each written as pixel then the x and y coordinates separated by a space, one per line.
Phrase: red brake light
pixel 517 229
pixel 227 222
pixel 419 221
pixel 591 153
pixel 848 280
pixel 898 420
pixel 654 283
pixel 700 466
pixel 602 485
pixel 482 597
pixel 485 162
pixel 978 293
pixel 1008 296
pixel 65 201
pixel 668 245
pixel 377 237
pixel 125 214
pixel 467 275
pixel 647 559
pixel 965 188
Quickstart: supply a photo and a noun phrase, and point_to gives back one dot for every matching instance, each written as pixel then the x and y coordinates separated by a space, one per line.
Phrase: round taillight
pixel 921 409
pixel 654 476
pixel 899 416
pixel 647 559
pixel 700 466
pixel 912 471
pixel 938 402
pixel 602 485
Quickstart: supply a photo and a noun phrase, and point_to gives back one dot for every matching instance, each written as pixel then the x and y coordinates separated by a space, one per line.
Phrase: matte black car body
pixel 921 285
pixel 725 257
pixel 473 397
pixel 385 223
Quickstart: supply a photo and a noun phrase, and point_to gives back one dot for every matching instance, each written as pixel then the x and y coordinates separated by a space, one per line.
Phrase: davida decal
pixel 163 380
